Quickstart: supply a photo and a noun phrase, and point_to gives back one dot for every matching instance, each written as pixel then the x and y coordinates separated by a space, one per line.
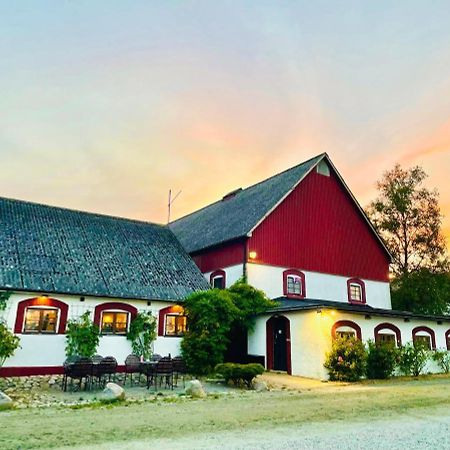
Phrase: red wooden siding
pixel 218 258
pixel 319 228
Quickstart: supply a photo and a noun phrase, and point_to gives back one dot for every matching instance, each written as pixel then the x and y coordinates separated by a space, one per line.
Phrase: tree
pixel 407 216
pixel 9 343
pixel 142 334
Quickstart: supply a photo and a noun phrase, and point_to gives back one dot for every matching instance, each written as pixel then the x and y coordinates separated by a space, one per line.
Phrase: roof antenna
pixel 169 204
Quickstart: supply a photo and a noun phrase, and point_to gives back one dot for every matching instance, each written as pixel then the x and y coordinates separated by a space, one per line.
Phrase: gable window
pixel 424 336
pixel 356 291
pixel 175 325
pixel 218 279
pixel 114 322
pixel 294 283
pixel 41 320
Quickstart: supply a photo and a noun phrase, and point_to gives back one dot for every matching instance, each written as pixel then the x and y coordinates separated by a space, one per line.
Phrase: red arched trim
pixel 269 344
pixel 389 326
pixel 218 273
pixel 363 290
pixel 41 301
pixel 346 323
pixel 172 309
pixel 285 283
pixel 447 339
pixel 113 306
pixel 426 330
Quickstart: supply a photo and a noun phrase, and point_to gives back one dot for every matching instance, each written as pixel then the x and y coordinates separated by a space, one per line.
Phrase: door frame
pixel 270 342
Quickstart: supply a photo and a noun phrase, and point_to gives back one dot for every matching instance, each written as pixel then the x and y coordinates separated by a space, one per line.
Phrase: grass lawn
pixel 305 403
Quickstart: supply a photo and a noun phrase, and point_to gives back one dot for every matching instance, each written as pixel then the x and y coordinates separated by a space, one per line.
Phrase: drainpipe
pixel 244 264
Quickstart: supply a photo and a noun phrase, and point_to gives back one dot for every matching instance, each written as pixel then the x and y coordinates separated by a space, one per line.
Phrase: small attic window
pixel 323 169
pixel 231 194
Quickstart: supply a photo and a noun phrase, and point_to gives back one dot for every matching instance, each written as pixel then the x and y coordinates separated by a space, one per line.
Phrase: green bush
pixel 239 374
pixel 412 359
pixel 442 357
pixel 8 343
pixel 381 360
pixel 142 334
pixel 347 359
pixel 82 337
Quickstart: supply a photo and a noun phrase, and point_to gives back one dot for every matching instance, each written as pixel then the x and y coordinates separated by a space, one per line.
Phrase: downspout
pixel 244 263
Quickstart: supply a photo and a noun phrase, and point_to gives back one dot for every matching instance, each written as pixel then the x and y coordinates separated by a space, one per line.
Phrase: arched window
pixel 41 315
pixel 356 290
pixel 294 283
pixel 424 336
pixel 386 332
pixel 447 339
pixel 218 279
pixel 172 321
pixel 114 317
pixel 346 328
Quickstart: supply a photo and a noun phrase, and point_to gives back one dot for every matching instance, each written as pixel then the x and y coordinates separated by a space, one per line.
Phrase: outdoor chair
pixel 132 365
pixel 97 358
pixel 155 357
pixel 105 368
pixel 164 372
pixel 179 369
pixel 79 370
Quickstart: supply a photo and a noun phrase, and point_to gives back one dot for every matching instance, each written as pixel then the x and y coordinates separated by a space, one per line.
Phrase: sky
pixel 106 105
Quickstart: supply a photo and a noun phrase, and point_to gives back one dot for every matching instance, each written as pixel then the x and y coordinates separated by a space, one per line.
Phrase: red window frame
pixel 428 330
pixel 362 285
pixel 388 326
pixel 346 323
pixel 301 275
pixel 114 307
pixel 217 274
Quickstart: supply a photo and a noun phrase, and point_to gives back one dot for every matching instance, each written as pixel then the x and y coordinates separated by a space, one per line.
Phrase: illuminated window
pixel 294 285
pixel 40 320
pixel 114 322
pixel 175 325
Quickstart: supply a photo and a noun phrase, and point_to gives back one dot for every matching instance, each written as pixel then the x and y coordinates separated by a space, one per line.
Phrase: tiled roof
pixel 236 216
pixel 49 249
pixel 286 304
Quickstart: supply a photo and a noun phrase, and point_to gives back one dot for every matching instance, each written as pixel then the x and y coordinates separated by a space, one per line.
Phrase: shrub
pixel 347 359
pixel 239 374
pixel 9 343
pixel 412 359
pixel 381 359
pixel 442 357
pixel 82 337
pixel 142 334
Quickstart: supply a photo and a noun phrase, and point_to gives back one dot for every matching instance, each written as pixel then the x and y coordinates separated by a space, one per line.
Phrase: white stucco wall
pixel 49 350
pixel 311 337
pixel 233 273
pixel 318 285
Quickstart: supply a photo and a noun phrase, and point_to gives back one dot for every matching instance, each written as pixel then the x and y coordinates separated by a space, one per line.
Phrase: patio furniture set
pixel 159 371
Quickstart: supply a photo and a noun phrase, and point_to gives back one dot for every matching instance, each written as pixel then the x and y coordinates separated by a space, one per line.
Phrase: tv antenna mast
pixel 169 204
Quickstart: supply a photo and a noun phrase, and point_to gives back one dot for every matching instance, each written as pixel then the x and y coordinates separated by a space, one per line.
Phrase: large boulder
pixel 259 386
pixel 113 392
pixel 5 401
pixel 195 389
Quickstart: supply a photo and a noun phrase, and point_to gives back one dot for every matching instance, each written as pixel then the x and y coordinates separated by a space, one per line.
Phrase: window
pixel 356 291
pixel 346 328
pixel 424 336
pixel 218 279
pixel 175 325
pixel 323 168
pixel 388 332
pixel 114 322
pixel 386 338
pixel 447 339
pixel 41 320
pixel 424 340
pixel 345 334
pixel 294 283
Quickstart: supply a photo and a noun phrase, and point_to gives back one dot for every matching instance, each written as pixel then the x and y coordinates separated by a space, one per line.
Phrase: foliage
pixel 142 334
pixel 212 315
pixel 442 357
pixel 4 297
pixel 8 343
pixel 239 374
pixel 381 359
pixel 82 337
pixel 407 216
pixel 422 292
pixel 347 359
pixel 412 359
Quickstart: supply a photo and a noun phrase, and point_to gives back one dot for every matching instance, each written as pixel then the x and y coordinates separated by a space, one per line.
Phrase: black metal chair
pixel 164 371
pixel 107 367
pixel 80 369
pixel 155 357
pixel 179 369
pixel 97 358
pixel 132 365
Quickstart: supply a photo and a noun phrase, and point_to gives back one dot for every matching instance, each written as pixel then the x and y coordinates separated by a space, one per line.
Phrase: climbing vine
pixel 142 333
pixel 4 297
pixel 82 337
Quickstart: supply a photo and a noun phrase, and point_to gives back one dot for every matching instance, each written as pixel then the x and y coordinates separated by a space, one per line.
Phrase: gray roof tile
pixel 236 216
pixel 49 249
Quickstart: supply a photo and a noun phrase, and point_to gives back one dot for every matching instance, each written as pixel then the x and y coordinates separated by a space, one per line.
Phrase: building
pixel 60 263
pixel 302 237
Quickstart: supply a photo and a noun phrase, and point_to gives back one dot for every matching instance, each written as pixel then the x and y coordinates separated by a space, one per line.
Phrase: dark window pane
pixel 218 283
pixel 294 285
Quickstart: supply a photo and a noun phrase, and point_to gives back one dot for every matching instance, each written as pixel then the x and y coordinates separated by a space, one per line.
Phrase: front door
pixel 279 344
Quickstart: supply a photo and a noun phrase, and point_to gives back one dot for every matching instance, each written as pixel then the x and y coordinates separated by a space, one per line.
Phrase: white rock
pixel 5 401
pixel 113 391
pixel 195 389
pixel 260 386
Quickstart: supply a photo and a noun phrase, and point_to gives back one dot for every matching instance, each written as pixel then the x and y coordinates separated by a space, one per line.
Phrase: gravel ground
pixel 430 430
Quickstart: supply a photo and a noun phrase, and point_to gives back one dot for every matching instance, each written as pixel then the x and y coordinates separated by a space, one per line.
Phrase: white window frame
pixel 115 311
pixel 42 307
